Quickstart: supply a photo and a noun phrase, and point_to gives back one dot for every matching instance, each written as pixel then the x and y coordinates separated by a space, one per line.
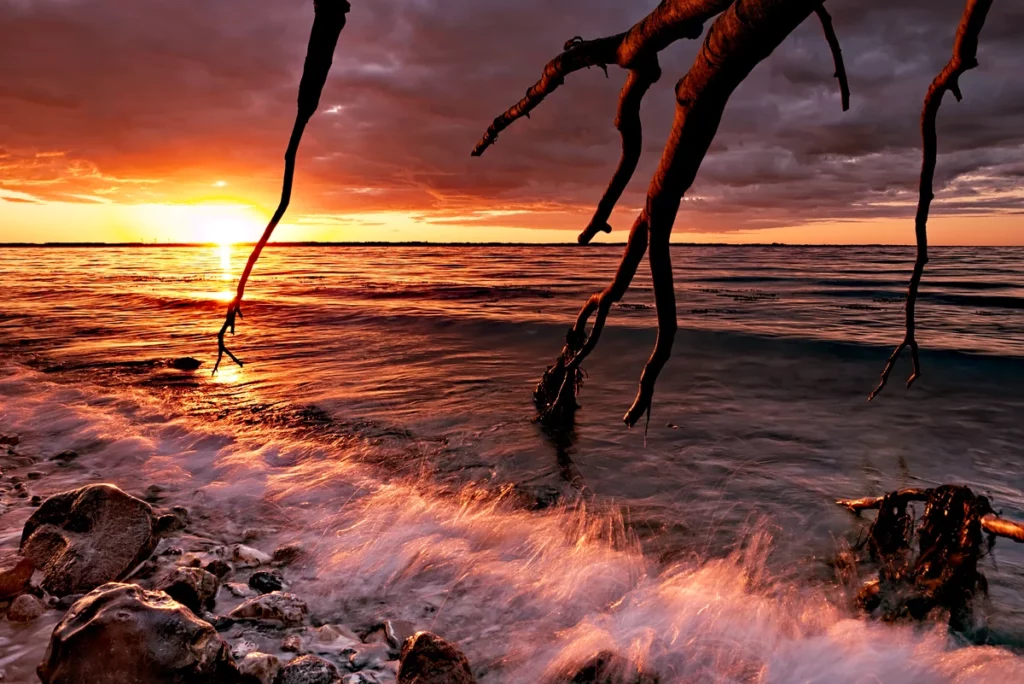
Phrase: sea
pixel 384 420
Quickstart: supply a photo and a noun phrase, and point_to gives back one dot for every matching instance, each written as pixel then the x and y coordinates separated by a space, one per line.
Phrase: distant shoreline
pixel 121 245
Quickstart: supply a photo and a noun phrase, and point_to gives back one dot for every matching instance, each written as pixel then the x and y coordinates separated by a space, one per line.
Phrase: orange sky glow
pixel 160 122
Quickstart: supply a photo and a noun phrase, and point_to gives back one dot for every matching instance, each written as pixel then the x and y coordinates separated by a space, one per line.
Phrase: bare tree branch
pixel 965 57
pixel 627 121
pixel 635 50
pixel 328 22
pixel 837 54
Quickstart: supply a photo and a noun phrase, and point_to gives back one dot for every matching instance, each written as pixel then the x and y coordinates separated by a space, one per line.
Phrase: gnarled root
pixel 601 303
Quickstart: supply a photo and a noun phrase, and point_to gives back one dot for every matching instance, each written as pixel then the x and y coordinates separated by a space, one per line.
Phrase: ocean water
pixel 384 420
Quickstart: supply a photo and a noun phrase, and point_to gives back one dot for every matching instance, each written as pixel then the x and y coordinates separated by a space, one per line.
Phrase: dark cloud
pixel 154 99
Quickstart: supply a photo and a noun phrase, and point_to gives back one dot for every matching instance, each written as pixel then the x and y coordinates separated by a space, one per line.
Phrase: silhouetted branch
pixel 328 22
pixel 627 121
pixel 635 50
pixel 837 54
pixel 965 57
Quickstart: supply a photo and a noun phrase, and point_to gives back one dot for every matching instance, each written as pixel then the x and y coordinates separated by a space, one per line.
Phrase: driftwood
pixel 942 572
pixel 328 22
pixel 744 33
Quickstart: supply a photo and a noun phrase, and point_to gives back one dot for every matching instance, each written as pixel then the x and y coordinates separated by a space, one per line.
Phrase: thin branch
pixel 577 55
pixel 965 57
pixel 628 123
pixel 670 21
pixel 837 54
pixel 328 22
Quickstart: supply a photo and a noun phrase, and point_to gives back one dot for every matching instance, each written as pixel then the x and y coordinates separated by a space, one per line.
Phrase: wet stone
pixel 15 572
pixel 266 581
pixel 428 659
pixel 192 587
pixel 260 667
pixel 283 607
pixel 86 537
pixel 25 608
pixel 287 554
pixel 185 363
pixel 246 555
pixel 308 669
pixel 158 641
pixel 218 567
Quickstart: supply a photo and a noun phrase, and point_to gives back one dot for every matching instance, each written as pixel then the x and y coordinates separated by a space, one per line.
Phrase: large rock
pixel 308 669
pixel 429 659
pixel 194 588
pixel 87 537
pixel 121 634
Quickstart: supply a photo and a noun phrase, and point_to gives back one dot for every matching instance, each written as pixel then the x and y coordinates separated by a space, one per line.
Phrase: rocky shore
pixel 140 594
pixel 125 588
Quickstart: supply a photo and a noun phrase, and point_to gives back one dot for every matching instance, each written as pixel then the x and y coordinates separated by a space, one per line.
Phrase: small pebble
pixel 266 581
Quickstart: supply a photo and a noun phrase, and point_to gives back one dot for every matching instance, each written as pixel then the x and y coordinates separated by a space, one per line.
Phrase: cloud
pixel 194 91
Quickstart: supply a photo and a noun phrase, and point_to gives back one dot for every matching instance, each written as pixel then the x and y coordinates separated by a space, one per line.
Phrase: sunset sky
pixel 161 120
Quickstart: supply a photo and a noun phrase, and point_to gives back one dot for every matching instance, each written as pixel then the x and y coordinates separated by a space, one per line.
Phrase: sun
pixel 224 224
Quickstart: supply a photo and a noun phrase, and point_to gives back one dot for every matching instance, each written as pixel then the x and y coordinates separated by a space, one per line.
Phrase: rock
pixel 65 602
pixel 361 678
pixel 372 656
pixel 308 669
pixel 606 667
pixel 277 605
pixel 239 590
pixel 287 554
pixel 260 667
pixel 15 572
pixel 246 555
pixel 121 633
pixel 25 608
pixel 218 567
pixel 192 587
pixel 429 659
pixel 10 440
pixel 86 537
pixel 185 363
pixel 392 632
pixel 292 643
pixel 266 581
pixel 36 500
pixel 34 475
pixel 65 456
pixel 243 648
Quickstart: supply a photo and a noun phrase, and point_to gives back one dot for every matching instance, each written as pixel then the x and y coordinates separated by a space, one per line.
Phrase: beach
pixel 383 423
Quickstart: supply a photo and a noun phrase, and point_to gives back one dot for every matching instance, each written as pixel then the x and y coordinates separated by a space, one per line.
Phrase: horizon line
pixel 429 243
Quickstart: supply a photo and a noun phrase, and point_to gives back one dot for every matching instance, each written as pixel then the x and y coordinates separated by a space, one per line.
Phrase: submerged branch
pixel 965 57
pixel 328 22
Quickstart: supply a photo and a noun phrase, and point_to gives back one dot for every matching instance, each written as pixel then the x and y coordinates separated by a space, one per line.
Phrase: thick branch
pixel 670 21
pixel 328 22
pixel 965 57
pixel 837 54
